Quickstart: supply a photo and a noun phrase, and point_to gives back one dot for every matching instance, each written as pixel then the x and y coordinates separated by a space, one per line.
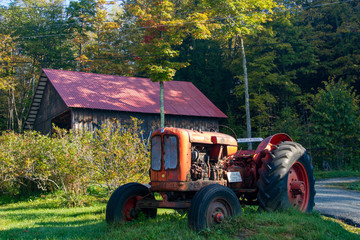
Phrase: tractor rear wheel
pixel 211 205
pixel 286 179
pixel 122 203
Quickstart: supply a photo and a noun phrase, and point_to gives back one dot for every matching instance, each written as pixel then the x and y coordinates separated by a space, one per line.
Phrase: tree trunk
pixel 247 104
pixel 162 112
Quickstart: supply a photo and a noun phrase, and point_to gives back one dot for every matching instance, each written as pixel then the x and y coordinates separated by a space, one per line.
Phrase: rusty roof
pixel 130 94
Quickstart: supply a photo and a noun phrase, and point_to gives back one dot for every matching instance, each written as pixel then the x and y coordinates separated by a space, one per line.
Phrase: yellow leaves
pixel 136 10
pixel 82 58
pixel 201 24
pixel 110 26
pixel 103 2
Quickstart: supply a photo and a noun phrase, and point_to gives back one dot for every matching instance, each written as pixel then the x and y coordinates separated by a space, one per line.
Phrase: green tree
pixel 239 20
pixel 271 74
pixel 334 125
pixel 40 30
pixel 325 37
pixel 207 70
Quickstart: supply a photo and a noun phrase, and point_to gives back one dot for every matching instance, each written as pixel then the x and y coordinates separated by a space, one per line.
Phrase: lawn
pixel 335 174
pixel 45 218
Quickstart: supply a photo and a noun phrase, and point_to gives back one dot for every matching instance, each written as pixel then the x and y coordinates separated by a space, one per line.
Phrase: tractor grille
pixel 156 153
pixel 171 152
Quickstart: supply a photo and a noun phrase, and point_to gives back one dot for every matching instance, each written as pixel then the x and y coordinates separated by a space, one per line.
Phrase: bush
pixel 72 161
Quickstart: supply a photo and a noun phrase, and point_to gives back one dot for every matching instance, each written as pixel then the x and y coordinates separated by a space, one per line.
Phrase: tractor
pixel 206 175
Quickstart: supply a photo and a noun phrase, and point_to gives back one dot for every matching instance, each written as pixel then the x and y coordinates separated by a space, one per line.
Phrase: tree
pixel 325 37
pixel 38 39
pixel 41 32
pixel 164 24
pixel 334 124
pixel 241 19
pixel 15 85
pixel 82 17
pixel 206 70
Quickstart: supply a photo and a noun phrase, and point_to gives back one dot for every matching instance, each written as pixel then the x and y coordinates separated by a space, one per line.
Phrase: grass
pixel 335 174
pixel 44 218
pixel 353 186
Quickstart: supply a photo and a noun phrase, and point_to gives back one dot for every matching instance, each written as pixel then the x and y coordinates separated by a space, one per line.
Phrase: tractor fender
pixel 268 144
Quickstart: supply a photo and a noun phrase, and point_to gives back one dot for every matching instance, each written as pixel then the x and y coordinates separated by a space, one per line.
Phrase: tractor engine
pixel 202 167
pixel 241 165
pixel 187 160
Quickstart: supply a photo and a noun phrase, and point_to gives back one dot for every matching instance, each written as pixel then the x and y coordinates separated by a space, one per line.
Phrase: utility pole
pixel 247 104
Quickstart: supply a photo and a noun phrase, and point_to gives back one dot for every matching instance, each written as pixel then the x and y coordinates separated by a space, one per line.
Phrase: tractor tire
pixel 121 205
pixel 287 179
pixel 211 205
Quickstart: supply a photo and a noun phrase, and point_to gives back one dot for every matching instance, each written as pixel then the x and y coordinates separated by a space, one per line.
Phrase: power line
pixel 132 57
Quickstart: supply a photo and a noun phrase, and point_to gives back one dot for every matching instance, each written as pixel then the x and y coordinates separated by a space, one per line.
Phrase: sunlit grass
pixel 45 218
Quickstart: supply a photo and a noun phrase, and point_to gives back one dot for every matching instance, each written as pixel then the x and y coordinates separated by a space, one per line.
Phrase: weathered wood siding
pixel 51 106
pixel 93 118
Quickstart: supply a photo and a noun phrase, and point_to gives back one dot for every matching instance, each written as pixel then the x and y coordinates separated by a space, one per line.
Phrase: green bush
pixel 72 161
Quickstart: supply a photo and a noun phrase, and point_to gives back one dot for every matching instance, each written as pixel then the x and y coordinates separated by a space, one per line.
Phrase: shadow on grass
pixel 84 229
pixel 35 216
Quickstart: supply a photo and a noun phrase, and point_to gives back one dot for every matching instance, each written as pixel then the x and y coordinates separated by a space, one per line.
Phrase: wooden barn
pixel 78 100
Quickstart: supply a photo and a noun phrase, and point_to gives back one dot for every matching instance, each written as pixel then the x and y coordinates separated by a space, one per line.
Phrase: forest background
pixel 303 66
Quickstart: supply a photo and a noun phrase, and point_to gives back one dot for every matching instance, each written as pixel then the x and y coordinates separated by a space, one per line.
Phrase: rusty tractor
pixel 206 175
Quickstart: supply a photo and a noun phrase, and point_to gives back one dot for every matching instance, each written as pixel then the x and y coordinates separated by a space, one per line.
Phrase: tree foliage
pixel 334 124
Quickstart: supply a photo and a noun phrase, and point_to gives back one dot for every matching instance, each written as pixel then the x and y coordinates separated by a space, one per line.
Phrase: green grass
pixel 335 174
pixel 44 218
pixel 353 186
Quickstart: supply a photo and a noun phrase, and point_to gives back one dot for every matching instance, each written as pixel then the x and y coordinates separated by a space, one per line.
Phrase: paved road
pixel 338 203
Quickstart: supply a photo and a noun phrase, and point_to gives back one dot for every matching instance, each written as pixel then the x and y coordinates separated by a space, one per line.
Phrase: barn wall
pixel 93 118
pixel 51 106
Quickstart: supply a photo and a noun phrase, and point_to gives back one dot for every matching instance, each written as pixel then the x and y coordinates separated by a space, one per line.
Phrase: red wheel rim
pixel 298 186
pixel 129 209
pixel 218 210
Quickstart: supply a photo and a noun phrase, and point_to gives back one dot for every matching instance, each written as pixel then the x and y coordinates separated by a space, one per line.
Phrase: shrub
pixel 72 161
pixel 120 156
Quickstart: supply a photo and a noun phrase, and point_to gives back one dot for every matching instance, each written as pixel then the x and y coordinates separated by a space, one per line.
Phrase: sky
pixel 6 2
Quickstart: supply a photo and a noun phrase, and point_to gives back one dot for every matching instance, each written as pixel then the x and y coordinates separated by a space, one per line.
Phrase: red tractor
pixel 205 174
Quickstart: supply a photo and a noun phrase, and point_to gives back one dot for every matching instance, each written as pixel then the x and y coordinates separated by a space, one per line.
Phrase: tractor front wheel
pixel 286 179
pixel 211 205
pixel 121 206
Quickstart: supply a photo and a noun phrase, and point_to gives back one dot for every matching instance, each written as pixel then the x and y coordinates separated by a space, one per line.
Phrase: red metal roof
pixel 130 94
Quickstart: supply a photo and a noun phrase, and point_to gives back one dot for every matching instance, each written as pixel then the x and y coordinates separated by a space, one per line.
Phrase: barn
pixel 79 100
